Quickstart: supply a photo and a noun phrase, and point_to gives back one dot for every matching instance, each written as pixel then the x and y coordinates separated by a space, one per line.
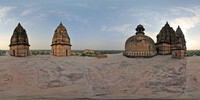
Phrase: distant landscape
pixel 189 53
pixel 73 52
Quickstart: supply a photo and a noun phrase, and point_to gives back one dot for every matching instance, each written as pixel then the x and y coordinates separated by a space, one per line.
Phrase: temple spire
pixel 19 25
pixel 167 24
pixel 140 29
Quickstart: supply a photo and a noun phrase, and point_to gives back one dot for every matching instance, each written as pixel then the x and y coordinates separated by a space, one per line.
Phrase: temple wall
pixel 163 48
pixel 140 48
pixel 130 53
pixel 178 54
pixel 61 50
pixel 141 45
pixel 19 50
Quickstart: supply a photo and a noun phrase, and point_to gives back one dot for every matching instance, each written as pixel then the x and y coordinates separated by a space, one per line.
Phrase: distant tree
pixel 83 54
pixel 42 53
pixel 38 53
pixel 47 53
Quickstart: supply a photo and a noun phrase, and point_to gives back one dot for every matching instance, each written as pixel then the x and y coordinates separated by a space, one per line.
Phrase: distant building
pixel 19 45
pixel 88 51
pixel 98 55
pixel 61 42
pixel 140 45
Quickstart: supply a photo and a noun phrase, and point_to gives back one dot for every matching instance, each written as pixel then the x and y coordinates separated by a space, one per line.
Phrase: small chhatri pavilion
pixel 140 45
pixel 19 45
pixel 61 42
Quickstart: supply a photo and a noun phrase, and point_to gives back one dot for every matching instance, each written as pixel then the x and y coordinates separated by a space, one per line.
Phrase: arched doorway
pixel 13 52
pixel 66 52
pixel 157 50
pixel 52 52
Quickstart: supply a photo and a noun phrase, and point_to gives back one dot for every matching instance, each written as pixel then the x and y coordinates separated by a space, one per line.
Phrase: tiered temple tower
pixel 179 47
pixel 61 42
pixel 171 42
pixel 165 40
pixel 19 45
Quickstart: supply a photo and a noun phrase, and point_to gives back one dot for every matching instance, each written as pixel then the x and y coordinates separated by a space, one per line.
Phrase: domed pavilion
pixel 140 45
pixel 61 42
pixel 19 45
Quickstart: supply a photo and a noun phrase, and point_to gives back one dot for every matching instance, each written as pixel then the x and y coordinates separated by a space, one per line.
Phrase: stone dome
pixel 140 45
pixel 19 36
pixel 61 36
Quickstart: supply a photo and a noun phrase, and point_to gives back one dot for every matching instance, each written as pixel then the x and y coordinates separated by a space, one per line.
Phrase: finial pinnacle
pixel 19 24
pixel 140 29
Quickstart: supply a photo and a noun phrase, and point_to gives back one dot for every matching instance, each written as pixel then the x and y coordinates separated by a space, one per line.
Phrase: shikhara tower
pixel 61 42
pixel 19 45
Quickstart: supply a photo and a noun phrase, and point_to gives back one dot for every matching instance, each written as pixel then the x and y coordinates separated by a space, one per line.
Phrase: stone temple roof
pixel 179 32
pixel 61 36
pixel 166 34
pixel 139 43
pixel 180 42
pixel 140 33
pixel 19 36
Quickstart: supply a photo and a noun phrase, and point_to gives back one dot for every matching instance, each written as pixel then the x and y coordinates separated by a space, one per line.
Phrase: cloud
pixel 144 23
pixel 4 11
pixel 150 14
pixel 28 11
pixel 152 35
pixel 187 22
pixel 113 7
pixel 82 5
pixel 80 19
pixel 40 16
pixel 70 17
pixel 104 27
pixel 126 29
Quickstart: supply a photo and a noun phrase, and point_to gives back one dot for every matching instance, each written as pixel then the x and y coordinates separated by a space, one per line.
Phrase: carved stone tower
pixel 61 42
pixel 165 40
pixel 19 45
pixel 179 47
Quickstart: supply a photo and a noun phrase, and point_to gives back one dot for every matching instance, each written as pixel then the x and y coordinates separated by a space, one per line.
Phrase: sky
pixel 97 24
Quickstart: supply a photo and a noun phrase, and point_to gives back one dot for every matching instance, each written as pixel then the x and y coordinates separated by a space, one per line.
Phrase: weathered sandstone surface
pixel 36 77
